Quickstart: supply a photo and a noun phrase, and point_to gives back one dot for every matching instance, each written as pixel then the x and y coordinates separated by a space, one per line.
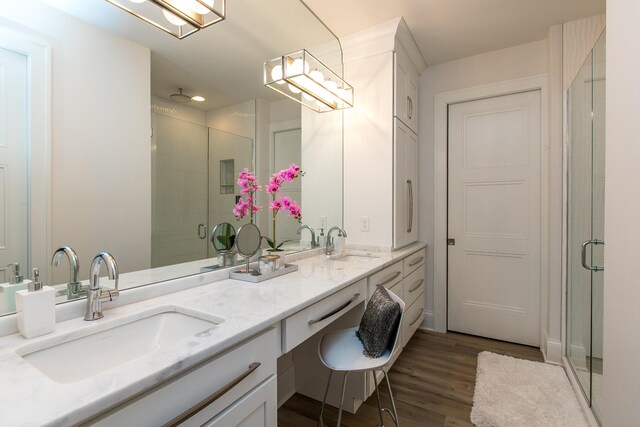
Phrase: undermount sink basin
pixel 80 358
pixel 362 258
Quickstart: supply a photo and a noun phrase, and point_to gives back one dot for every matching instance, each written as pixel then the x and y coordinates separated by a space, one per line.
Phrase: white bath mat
pixel 513 392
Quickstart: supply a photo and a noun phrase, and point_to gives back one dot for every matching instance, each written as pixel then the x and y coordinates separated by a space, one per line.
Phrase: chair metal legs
pixel 375 385
pixel 326 392
pixel 344 387
pixel 392 412
pixel 394 415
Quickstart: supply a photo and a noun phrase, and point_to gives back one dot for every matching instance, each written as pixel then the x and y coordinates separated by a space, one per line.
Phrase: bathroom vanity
pixel 218 346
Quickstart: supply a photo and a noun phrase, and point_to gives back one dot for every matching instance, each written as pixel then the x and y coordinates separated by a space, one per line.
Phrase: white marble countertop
pixel 29 398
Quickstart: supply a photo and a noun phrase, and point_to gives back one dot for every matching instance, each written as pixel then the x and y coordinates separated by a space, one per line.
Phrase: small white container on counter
pixel 36 308
pixel 339 243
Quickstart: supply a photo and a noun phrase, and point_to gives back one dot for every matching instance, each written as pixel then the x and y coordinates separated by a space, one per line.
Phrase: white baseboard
pixel 578 356
pixel 553 354
pixel 427 323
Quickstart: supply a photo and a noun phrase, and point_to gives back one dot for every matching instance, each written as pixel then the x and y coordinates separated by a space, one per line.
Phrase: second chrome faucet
pixel 330 245
pixel 95 295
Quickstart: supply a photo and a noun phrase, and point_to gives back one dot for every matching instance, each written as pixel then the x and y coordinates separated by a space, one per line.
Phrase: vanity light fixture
pixel 303 78
pixel 180 18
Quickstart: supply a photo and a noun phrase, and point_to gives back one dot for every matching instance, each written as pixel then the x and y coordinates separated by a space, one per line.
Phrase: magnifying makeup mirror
pixel 223 237
pixel 248 241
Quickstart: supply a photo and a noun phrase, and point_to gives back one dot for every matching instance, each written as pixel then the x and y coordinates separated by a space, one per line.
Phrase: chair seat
pixel 343 351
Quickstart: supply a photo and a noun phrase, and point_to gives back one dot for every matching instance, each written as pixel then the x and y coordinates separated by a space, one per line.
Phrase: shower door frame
pixel 585 403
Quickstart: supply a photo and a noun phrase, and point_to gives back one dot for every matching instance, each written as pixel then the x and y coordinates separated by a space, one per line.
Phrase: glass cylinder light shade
pixel 180 18
pixel 303 78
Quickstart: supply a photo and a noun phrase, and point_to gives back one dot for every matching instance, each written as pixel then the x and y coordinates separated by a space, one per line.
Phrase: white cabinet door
pixel 405 186
pixel 256 409
pixel 406 90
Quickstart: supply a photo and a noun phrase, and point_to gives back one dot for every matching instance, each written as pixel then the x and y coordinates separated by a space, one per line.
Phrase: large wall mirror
pixel 137 173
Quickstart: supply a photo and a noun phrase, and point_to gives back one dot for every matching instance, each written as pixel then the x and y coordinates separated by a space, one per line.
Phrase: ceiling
pixel 223 63
pixel 451 29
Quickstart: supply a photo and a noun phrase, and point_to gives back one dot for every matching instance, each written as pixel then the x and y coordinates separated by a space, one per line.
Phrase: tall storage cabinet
pixel 406 89
pixel 381 136
pixel 405 194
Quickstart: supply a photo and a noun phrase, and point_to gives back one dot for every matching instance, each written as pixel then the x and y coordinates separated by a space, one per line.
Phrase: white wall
pixel 321 141
pixel 622 213
pixel 368 178
pixel 178 111
pixel 239 119
pixel 99 111
pixel 492 67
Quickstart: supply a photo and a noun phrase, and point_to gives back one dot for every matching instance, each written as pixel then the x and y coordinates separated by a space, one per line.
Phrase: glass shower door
pixel 585 225
pixel 597 253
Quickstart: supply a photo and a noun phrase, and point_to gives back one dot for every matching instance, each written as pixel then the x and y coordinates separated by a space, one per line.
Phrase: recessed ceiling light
pixel 197 98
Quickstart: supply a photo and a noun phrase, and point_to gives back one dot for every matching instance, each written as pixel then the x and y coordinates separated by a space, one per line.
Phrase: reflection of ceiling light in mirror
pixel 185 16
pixel 197 98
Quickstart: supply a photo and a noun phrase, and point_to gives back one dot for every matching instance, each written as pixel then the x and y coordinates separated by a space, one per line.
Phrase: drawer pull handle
pixel 417 317
pixel 416 262
pixel 418 284
pixel 389 279
pixel 215 396
pixel 336 311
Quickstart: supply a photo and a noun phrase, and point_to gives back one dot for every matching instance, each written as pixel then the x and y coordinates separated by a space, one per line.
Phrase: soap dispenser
pixel 321 238
pixel 8 290
pixel 36 308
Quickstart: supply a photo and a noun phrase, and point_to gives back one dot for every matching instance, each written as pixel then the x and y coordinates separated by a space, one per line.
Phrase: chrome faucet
pixel 95 295
pixel 73 286
pixel 314 243
pixel 330 245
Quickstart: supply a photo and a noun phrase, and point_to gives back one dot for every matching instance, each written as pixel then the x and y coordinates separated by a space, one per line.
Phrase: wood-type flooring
pixel 432 382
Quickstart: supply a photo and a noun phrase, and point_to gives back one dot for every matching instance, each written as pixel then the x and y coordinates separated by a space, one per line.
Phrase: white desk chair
pixel 343 351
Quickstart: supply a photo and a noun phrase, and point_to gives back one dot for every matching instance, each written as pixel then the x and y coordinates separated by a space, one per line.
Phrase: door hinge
pixel 451 242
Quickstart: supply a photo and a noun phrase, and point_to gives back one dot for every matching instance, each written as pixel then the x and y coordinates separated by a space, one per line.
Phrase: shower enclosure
pixel 193 180
pixel 585 225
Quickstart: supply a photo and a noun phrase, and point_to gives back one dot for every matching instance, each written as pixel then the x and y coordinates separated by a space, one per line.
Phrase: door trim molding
pixel 441 103
pixel 38 55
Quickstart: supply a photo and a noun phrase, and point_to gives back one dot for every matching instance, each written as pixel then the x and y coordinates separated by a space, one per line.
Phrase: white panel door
pixel 494 217
pixel 14 190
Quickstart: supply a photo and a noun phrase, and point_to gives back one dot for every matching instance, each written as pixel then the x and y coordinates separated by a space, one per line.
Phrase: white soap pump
pixel 36 308
pixel 8 290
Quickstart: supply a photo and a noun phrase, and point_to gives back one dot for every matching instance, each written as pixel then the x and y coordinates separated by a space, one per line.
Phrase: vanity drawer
pixel 414 285
pixel 305 323
pixel 397 289
pixel 386 277
pixel 413 261
pixel 223 380
pixel 412 319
